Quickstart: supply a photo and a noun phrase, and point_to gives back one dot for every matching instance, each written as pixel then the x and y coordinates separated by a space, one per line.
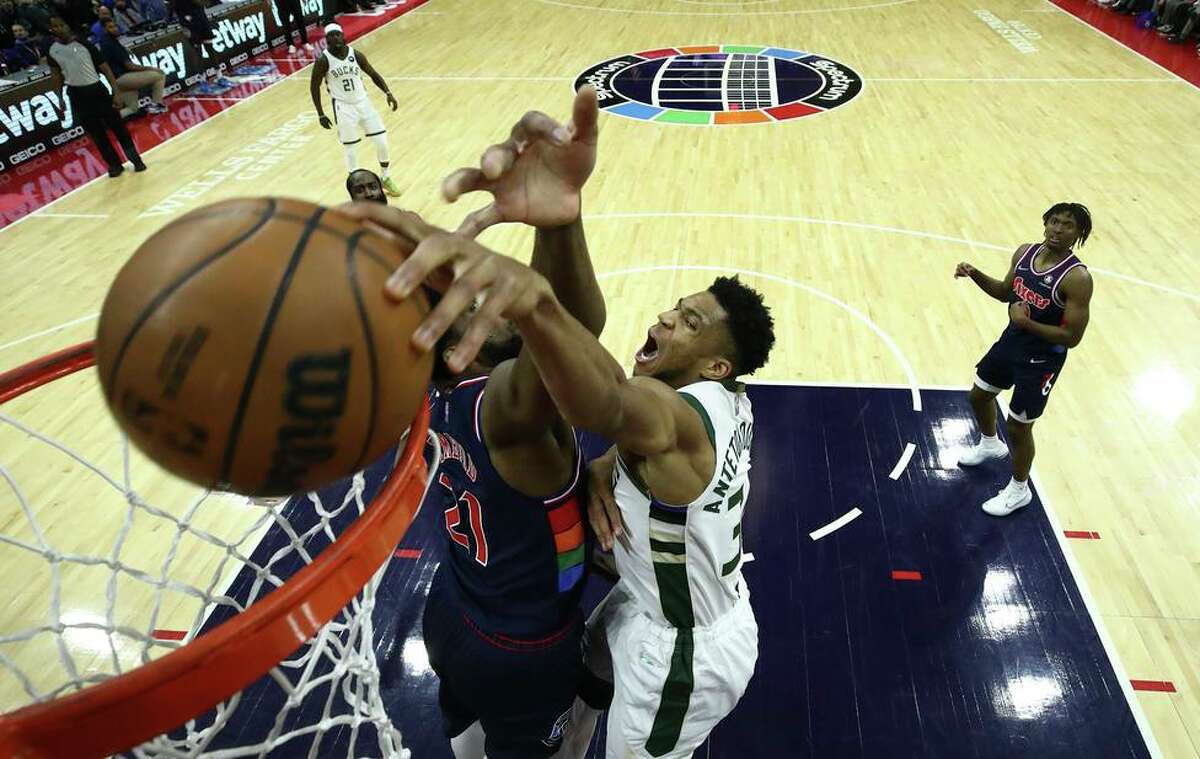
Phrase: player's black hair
pixel 359 171
pixel 749 322
pixel 1079 212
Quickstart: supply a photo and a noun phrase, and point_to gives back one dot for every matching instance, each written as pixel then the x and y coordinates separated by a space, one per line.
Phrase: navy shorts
pixel 520 691
pixel 1031 377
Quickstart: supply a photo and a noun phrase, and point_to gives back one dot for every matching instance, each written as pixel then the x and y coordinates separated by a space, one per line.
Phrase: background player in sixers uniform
pixel 1048 290
pixel 341 68
pixel 502 623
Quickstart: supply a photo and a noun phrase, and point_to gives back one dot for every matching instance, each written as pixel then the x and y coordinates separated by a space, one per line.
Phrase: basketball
pixel 248 346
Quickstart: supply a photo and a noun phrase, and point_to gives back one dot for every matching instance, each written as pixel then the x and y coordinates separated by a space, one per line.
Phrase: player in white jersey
pixel 682 636
pixel 341 67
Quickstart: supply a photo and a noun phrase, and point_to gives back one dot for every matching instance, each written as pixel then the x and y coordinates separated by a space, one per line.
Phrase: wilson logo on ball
pixel 721 84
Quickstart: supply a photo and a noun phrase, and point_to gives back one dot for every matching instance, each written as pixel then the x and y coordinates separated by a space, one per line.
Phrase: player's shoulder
pixel 1077 278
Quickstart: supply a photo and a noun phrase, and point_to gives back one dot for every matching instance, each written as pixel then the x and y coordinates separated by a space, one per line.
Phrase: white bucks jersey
pixel 344 78
pixel 682 564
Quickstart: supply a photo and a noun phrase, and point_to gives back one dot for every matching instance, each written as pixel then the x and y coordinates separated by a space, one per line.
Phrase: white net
pixel 117 563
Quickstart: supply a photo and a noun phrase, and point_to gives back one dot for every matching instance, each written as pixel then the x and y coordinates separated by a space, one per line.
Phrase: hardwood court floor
pixel 850 221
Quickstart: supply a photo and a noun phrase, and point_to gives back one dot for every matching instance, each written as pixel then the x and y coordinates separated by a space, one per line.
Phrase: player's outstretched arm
pixel 1000 289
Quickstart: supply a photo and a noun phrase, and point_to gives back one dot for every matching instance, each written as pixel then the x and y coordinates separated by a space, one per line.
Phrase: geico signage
pixel 29 152
pixel 232 33
pixel 35 112
pixel 169 59
pixel 67 136
pixel 235 60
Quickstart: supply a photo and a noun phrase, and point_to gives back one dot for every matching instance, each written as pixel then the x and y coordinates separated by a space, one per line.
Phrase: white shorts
pixel 644 664
pixel 354 120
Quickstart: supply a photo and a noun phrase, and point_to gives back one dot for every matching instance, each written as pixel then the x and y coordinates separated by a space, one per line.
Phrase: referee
pixel 78 63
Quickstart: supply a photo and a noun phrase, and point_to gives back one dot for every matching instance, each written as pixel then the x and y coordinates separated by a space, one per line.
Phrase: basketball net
pixel 96 684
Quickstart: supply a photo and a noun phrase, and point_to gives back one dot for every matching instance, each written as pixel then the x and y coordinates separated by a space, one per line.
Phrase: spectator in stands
pixel 154 10
pixel 293 17
pixel 1171 15
pixel 25 51
pixel 96 30
pixel 1189 27
pixel 127 14
pixel 80 66
pixel 78 13
pixel 131 77
pixel 364 184
pixel 8 17
pixel 34 16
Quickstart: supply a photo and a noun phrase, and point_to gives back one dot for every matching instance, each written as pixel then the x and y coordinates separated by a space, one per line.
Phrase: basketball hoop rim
pixel 129 709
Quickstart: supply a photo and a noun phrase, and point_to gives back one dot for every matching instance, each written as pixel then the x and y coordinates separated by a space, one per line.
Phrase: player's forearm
pixel 992 287
pixel 580 375
pixel 1050 333
pixel 561 256
pixel 316 99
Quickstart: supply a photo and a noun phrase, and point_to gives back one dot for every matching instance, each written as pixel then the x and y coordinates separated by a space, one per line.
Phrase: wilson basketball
pixel 248 346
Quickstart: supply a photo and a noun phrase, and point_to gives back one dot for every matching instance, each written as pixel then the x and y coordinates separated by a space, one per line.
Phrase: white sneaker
pixel 292 50
pixel 1008 500
pixel 984 450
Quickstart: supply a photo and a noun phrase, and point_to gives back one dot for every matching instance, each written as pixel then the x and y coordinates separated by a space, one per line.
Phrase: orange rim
pixel 132 708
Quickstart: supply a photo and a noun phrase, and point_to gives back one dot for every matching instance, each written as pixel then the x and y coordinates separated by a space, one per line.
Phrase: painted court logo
pixel 721 84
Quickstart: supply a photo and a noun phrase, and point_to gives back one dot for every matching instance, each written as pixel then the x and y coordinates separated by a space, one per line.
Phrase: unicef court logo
pixel 721 84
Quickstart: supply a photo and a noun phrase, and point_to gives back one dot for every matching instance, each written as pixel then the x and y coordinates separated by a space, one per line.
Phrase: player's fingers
pixel 585 114
pixel 463 181
pixel 497 292
pixel 388 221
pixel 614 516
pixel 536 125
pixel 598 518
pixel 498 159
pixel 477 221
pixel 431 254
pixel 457 299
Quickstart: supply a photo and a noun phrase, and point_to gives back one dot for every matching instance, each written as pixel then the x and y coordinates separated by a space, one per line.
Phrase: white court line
pixel 1089 601
pixel 484 78
pixel 48 331
pixel 869 385
pixel 1027 80
pixel 914 389
pixel 836 524
pixel 874 228
pixel 1114 40
pixel 638 11
pixel 909 448
pixel 190 130
pixel 71 215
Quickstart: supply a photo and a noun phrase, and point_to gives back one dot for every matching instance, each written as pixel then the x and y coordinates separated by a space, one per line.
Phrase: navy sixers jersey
pixel 516 562
pixel 1039 289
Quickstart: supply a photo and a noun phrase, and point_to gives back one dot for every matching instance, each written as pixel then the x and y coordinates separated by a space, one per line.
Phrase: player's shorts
pixel 521 692
pixel 355 120
pixel 671 685
pixel 1032 378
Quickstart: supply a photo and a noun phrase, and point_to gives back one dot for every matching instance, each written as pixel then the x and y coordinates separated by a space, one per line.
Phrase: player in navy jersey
pixel 502 623
pixel 1048 290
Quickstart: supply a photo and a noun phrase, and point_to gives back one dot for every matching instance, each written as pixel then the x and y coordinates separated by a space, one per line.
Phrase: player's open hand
pixel 324 121
pixel 462 270
pixel 603 512
pixel 536 175
pixel 964 269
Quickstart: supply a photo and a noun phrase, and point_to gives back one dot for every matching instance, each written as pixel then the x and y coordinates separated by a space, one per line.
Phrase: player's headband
pixel 333 28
